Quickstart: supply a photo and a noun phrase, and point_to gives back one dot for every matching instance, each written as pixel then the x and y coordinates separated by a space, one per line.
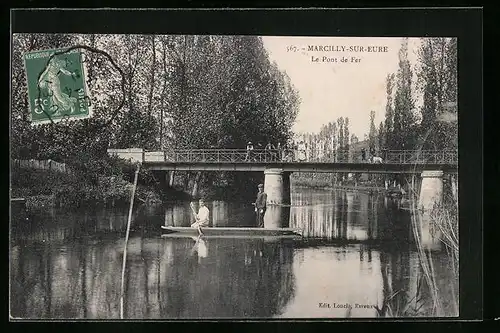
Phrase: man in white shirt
pixel 202 217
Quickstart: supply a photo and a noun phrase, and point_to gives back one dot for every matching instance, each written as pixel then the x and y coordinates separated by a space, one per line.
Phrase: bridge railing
pixel 297 156
pixel 256 155
pixel 226 156
pixel 421 157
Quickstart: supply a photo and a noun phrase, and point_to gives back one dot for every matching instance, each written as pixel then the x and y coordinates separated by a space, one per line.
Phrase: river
pixel 358 259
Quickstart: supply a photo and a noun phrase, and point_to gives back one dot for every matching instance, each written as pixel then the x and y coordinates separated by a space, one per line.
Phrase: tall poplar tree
pixel 389 113
pixel 404 118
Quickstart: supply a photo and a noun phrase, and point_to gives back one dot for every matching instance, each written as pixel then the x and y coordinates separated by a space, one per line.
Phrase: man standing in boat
pixel 202 217
pixel 260 206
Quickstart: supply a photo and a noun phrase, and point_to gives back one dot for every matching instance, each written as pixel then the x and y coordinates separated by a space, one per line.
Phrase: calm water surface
pixel 358 250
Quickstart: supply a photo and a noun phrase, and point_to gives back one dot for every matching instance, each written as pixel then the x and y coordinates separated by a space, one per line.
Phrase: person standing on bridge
pixel 260 206
pixel 249 151
pixel 301 148
pixel 269 151
pixel 285 152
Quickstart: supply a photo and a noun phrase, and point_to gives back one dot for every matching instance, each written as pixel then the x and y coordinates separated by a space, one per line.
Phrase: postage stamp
pixel 57 88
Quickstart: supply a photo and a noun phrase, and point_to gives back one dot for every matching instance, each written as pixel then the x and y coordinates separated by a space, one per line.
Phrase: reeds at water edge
pixel 443 222
pixel 426 299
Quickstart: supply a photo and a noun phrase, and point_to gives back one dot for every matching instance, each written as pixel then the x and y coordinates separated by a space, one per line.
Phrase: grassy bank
pixel 49 188
pixel 320 180
pixel 326 183
pixel 312 183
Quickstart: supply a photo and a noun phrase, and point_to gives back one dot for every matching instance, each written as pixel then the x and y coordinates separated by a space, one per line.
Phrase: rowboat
pixel 234 231
pixel 177 235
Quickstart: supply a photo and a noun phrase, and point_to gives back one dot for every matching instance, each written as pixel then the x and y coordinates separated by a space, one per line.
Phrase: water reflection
pixel 178 216
pixel 166 278
pixel 340 280
pixel 428 234
pixel 68 265
pixel 349 215
pixel 277 217
pixel 222 214
pixel 253 279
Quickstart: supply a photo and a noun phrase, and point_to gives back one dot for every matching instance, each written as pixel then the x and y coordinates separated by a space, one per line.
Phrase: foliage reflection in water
pixel 68 264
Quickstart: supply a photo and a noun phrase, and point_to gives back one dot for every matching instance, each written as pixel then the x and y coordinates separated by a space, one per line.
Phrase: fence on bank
pixel 42 165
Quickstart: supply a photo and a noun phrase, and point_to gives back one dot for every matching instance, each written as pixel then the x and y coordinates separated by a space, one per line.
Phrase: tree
pixel 438 81
pixel 404 118
pixel 372 135
pixel 231 88
pixel 381 136
pixel 340 125
pixel 226 92
pixel 333 138
pixel 354 139
pixel 180 92
pixel 389 113
pixel 22 133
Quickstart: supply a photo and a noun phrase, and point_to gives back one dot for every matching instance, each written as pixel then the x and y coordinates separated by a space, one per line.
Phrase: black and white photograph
pixel 203 176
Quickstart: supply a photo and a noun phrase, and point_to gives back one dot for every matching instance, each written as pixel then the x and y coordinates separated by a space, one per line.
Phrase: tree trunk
pixel 454 188
pixel 183 82
pixel 162 97
pixel 197 178
pixel 186 181
pixel 153 70
pixel 172 179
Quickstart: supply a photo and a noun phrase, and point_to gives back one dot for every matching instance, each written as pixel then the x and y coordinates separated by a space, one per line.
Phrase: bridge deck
pixel 393 161
pixel 299 167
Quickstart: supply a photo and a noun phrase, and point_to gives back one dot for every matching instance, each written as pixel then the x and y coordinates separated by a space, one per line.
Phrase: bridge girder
pixel 302 167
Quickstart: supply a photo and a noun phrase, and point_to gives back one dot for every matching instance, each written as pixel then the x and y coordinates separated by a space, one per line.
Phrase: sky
pixel 331 90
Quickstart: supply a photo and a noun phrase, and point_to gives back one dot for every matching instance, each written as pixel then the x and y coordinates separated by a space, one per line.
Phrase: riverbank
pixel 350 186
pixel 43 188
pixel 111 186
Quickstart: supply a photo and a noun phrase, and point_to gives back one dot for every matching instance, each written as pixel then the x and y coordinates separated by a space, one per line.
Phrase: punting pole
pixel 200 232
pixel 126 239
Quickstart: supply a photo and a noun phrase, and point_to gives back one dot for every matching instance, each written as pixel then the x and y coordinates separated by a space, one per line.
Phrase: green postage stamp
pixel 56 89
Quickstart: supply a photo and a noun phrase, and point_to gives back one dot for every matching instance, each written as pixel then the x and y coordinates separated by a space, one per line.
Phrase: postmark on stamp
pixel 57 88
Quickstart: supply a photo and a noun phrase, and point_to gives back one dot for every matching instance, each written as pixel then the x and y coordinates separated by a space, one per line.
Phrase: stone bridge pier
pixel 431 189
pixel 277 186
